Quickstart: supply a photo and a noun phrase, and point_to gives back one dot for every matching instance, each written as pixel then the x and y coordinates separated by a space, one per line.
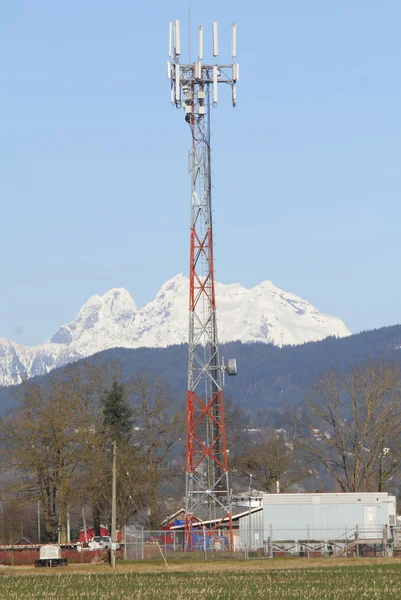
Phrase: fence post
pixel 345 542
pixel 270 541
pixel 307 530
pixel 384 539
pixel 357 538
pixel 250 540
pixel 125 542
pixel 142 545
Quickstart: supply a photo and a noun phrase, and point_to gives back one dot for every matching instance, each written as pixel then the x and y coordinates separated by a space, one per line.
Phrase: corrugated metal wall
pixel 322 516
pixel 251 531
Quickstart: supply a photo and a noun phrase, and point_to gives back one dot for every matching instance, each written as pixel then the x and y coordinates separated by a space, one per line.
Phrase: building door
pixel 370 527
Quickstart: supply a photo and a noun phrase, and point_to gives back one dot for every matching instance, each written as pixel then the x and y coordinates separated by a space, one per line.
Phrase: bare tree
pixel 56 444
pixel 50 437
pixel 156 430
pixel 42 441
pixel 352 425
pixel 16 521
pixel 271 460
pixel 235 423
pixel 131 480
pixel 142 457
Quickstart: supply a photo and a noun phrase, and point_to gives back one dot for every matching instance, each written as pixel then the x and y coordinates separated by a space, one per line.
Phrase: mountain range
pixel 264 313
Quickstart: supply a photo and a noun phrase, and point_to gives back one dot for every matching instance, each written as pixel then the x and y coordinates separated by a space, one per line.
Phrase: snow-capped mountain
pixel 261 314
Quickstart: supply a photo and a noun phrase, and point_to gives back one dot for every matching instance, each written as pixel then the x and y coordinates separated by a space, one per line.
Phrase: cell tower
pixel 194 87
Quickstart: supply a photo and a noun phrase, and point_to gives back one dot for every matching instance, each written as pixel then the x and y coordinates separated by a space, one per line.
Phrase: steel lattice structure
pixel 194 87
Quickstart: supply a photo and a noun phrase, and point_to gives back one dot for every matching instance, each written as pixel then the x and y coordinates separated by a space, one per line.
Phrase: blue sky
pixel 93 158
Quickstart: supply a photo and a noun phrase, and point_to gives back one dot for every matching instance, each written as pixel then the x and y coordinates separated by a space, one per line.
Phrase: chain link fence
pixel 141 544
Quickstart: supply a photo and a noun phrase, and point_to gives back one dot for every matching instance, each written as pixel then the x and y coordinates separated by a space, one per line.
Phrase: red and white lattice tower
pixel 194 87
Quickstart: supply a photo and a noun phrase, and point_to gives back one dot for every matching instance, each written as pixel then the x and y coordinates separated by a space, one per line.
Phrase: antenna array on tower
pixel 180 73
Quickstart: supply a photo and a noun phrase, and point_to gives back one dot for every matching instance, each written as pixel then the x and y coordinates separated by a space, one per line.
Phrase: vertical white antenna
pixel 177 44
pixel 233 40
pixel 169 70
pixel 215 93
pixel 170 40
pixel 200 43
pixel 215 39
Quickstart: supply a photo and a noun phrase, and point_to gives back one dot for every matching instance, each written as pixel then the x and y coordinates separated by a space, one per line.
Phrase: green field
pixel 328 583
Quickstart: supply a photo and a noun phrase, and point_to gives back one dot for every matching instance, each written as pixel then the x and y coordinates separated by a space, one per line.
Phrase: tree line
pixel 56 445
pixel 346 437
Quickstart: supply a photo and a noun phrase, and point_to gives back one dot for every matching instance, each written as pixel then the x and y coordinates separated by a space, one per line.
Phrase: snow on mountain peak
pixel 264 313
pixel 114 300
pixel 174 284
pixel 116 305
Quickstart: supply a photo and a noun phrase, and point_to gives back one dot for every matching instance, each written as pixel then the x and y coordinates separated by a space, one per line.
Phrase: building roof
pixel 173 516
pixel 326 498
pixel 221 515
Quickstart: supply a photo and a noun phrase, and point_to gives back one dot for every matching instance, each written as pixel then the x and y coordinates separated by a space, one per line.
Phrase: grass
pixel 328 580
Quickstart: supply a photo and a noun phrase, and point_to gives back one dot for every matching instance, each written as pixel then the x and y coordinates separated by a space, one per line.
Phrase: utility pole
pixel 249 515
pixel 84 524
pixel 59 531
pixel 68 526
pixel 113 508
pixel 39 537
pixel 194 88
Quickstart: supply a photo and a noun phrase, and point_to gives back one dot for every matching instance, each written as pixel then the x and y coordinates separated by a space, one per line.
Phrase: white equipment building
pixel 342 519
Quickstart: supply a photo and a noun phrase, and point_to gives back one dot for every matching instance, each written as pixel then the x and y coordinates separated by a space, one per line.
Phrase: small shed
pixel 327 516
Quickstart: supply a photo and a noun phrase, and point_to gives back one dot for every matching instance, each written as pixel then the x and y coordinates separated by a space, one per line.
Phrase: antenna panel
pixel 233 40
pixel 215 85
pixel 200 43
pixel 170 40
pixel 177 43
pixel 169 70
pixel 177 84
pixel 215 39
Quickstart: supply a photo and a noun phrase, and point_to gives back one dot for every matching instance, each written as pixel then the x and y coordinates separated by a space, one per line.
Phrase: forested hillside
pixel 268 377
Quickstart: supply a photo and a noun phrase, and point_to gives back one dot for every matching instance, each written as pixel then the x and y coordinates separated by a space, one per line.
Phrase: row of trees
pixel 347 437
pixel 57 444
